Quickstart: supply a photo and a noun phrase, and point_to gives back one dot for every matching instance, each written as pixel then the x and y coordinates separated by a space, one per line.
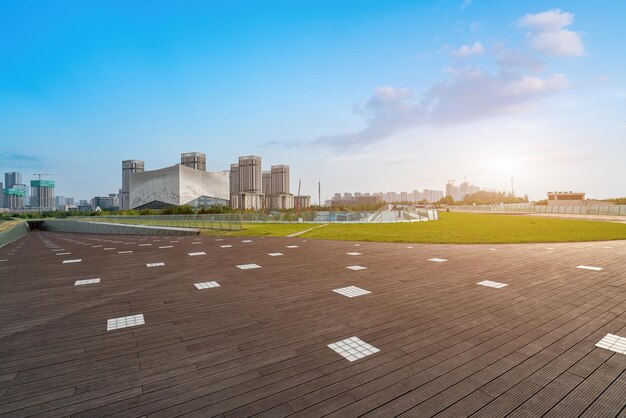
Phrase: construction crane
pixel 39 188
pixel 298 200
pixel 319 193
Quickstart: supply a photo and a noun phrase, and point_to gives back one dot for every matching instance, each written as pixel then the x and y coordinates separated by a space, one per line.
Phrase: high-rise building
pixel 250 175
pixel 128 167
pixel 60 202
pixel 105 202
pixel 42 194
pixel 195 160
pixel 280 179
pixel 433 195
pixel 11 179
pixel 234 178
pixel 13 198
pixel 267 182
pixel 302 202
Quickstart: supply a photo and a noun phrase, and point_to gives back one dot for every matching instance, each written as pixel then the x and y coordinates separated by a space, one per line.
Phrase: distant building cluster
pixel 244 186
pixel 459 192
pixel 357 198
pixel 16 195
pixel 253 188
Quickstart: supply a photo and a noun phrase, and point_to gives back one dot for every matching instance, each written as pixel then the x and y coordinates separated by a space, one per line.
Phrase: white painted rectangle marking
pixel 125 322
pixel 489 283
pixel 293 246
pixel 206 285
pixel 248 266
pixel 613 342
pixel 219 239
pixel 351 291
pixel 108 248
pixel 59 249
pixel 86 281
pixel 353 253
pixel 96 246
pixel 124 252
pixel 63 253
pixel 78 260
pixel 353 348
pixel 589 268
pixel 356 268
pixel 247 240
pixel 144 245
pixel 197 242
pixel 275 254
pixel 160 264
pixel 198 253
pixel 226 246
pixel 166 246
pixel 437 260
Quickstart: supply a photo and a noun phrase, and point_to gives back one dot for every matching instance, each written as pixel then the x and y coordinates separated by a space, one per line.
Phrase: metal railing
pixel 379 216
pixel 615 210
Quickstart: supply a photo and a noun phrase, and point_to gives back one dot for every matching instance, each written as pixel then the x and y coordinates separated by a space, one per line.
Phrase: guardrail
pixel 13 233
pixel 616 210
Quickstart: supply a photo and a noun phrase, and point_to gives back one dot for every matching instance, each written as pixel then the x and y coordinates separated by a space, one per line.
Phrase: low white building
pixel 177 185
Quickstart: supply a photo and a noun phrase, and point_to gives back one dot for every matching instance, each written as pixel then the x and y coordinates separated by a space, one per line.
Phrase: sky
pixel 359 95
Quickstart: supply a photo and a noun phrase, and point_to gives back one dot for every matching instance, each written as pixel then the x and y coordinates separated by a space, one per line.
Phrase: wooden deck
pixel 257 345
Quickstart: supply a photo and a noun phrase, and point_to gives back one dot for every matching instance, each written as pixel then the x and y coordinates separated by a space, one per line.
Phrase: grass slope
pixel 472 228
pixel 263 229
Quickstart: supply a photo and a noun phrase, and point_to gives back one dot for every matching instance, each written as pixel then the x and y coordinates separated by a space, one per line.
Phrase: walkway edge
pixel 305 231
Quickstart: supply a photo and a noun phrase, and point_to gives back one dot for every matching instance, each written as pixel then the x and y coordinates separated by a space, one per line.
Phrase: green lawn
pixel 454 228
pixel 8 224
pixel 261 229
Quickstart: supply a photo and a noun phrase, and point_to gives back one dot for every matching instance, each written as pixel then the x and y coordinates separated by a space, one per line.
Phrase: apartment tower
pixel 280 179
pixel 250 175
pixel 128 166
pixel 195 160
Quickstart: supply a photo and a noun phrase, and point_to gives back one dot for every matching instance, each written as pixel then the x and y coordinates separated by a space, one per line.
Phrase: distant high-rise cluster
pixel 348 199
pixel 459 192
pixel 253 188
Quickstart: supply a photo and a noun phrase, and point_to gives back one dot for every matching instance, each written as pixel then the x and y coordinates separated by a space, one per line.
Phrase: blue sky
pixel 362 95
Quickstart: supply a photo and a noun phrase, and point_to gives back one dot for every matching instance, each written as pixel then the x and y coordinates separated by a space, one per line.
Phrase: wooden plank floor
pixel 257 345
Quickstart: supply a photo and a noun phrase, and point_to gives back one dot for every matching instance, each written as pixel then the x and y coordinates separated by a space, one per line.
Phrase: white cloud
pixel 476 24
pixel 468 50
pixel 386 93
pixel 536 85
pixel 465 4
pixel 549 34
pixel 470 94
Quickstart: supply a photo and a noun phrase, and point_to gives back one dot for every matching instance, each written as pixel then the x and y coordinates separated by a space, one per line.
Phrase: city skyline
pixel 359 95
